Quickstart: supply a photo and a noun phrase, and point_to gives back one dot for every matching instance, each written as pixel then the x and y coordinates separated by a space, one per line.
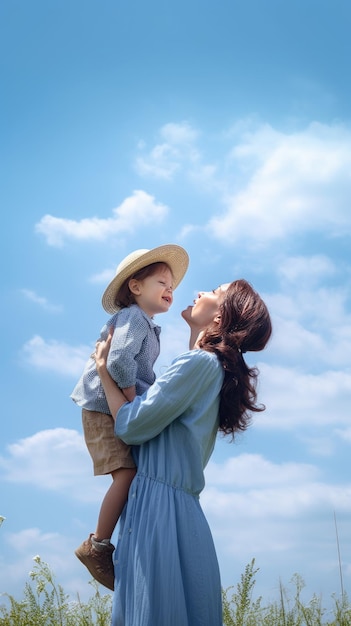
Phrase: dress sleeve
pixel 183 384
pixel 128 336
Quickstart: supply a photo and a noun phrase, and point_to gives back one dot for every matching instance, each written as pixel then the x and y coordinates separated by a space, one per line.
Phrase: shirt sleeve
pixel 191 376
pixel 128 336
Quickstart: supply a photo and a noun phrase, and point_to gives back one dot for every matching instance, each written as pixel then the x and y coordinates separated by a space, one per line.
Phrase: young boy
pixel 143 287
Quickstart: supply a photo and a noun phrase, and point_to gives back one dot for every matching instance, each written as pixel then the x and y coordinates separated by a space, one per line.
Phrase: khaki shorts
pixel 107 451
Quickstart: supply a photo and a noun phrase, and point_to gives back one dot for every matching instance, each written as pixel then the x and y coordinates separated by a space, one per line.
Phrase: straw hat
pixel 175 256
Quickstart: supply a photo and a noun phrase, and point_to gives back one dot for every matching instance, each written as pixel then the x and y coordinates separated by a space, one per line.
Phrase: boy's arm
pixel 126 342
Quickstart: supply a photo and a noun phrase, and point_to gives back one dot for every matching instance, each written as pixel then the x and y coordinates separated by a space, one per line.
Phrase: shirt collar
pixel 149 319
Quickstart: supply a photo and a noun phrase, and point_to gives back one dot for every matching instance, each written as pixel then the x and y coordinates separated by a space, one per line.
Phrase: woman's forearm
pixel 114 396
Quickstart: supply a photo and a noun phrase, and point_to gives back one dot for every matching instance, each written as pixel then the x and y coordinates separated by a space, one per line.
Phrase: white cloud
pixel 301 270
pixel 23 540
pixel 103 277
pixel 179 134
pixel 54 460
pixel 287 501
pixel 320 446
pixel 298 182
pixel 344 434
pixel 163 161
pixel 170 156
pixel 248 485
pixel 255 507
pixel 55 551
pixel 271 511
pixel 271 184
pixel 55 356
pixel 41 301
pixel 135 212
pixel 295 399
pixel 188 229
pixel 44 459
pixel 253 471
pixel 311 323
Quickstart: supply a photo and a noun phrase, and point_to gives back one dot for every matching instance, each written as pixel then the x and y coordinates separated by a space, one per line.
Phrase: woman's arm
pixel 191 384
pixel 115 397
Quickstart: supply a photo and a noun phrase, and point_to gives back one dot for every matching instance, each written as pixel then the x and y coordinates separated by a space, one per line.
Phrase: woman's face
pixel 205 307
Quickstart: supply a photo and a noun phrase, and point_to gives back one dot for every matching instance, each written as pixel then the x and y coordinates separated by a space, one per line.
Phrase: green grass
pixel 45 603
pixel 239 608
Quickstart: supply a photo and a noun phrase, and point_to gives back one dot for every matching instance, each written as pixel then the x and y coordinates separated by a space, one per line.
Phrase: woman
pixel 166 569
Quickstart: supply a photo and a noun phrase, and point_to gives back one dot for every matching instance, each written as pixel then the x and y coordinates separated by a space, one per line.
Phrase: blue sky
pixel 224 127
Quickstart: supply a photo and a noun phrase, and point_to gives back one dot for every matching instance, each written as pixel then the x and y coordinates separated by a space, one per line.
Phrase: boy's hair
pixel 125 297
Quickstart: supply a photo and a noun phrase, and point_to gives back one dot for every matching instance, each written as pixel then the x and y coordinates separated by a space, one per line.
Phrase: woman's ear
pixel 134 286
pixel 217 318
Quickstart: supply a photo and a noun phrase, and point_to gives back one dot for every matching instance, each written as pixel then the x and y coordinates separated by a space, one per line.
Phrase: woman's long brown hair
pixel 243 325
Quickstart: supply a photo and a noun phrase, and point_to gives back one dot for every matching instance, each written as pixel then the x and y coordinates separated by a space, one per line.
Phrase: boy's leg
pixel 112 456
pixel 113 503
pixel 96 551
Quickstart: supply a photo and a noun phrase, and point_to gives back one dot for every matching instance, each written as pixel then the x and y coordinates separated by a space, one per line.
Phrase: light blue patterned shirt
pixel 135 347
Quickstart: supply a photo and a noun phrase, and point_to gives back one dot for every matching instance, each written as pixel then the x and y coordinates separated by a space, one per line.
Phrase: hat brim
pixel 174 256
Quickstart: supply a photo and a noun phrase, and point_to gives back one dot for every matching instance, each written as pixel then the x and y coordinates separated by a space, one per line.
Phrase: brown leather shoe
pixel 98 561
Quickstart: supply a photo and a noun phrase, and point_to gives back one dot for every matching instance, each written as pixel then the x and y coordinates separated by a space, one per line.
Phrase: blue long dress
pixel 166 569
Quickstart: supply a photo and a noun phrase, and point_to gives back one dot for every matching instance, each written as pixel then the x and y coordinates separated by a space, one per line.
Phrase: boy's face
pixel 154 294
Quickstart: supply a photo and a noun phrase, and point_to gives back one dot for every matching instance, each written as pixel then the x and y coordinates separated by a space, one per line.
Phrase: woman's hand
pixel 102 349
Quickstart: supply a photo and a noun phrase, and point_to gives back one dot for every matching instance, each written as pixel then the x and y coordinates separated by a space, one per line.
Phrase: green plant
pixel 45 604
pixel 239 609
pixel 292 611
pixel 48 605
pixel 342 611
